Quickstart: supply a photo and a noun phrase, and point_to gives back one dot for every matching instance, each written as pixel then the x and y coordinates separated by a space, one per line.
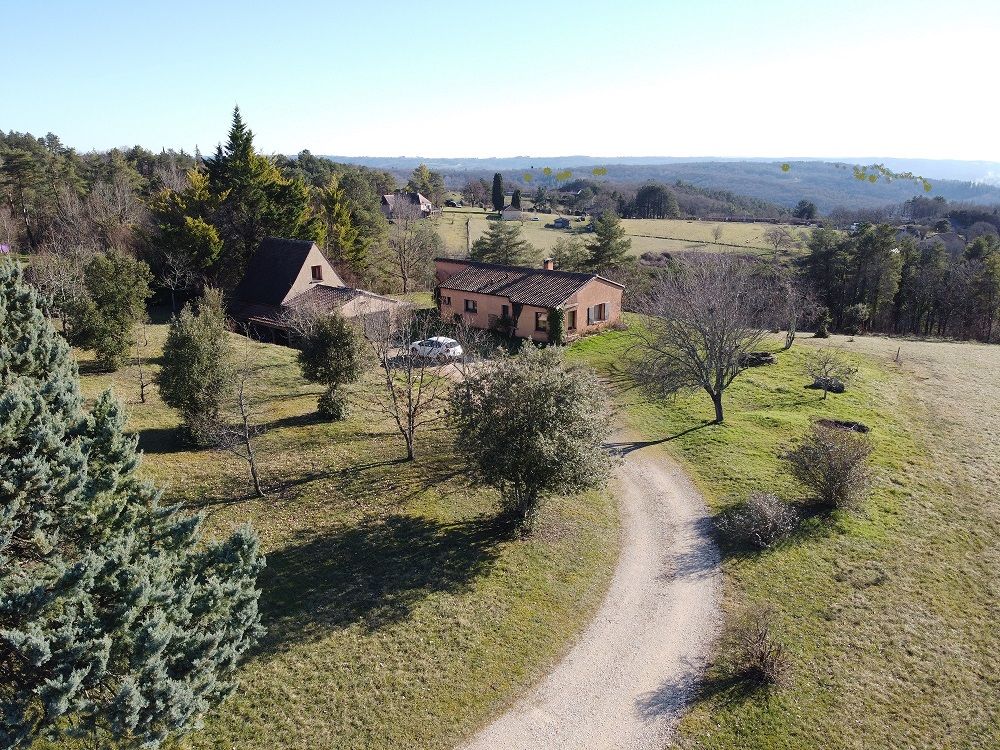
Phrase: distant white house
pixel 510 213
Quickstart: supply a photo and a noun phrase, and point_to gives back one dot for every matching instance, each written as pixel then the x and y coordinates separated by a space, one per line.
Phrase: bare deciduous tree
pixel 413 389
pixel 779 239
pixel 795 303
pixel 829 370
pixel 237 428
pixel 412 245
pixel 178 274
pixel 717 232
pixel 700 320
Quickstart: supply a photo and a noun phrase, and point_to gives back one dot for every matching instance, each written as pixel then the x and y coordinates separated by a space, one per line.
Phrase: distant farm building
pixel 416 204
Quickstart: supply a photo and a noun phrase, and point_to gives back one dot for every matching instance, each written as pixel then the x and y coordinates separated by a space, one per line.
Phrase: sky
pixel 758 78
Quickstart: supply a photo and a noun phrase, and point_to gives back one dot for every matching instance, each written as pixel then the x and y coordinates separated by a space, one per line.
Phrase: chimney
pixel 549 264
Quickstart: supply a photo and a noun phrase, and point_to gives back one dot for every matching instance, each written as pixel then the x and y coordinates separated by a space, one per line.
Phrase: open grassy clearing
pixel 647 235
pixel 398 615
pixel 890 612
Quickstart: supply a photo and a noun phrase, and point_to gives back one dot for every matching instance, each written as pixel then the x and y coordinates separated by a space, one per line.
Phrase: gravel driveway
pixel 626 681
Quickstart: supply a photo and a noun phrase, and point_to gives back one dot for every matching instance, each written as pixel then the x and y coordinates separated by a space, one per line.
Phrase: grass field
pixel 398 615
pixel 647 235
pixel 889 612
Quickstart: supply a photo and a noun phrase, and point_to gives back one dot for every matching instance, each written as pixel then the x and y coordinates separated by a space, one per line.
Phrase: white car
pixel 437 347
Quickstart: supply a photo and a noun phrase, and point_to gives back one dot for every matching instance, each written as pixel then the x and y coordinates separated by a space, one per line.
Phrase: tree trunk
pixel 717 401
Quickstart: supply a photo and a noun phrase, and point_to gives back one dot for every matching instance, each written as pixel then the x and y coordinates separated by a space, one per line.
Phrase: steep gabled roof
pixel 520 284
pixel 272 271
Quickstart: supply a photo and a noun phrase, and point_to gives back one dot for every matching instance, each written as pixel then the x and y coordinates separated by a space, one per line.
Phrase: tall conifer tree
pixel 118 621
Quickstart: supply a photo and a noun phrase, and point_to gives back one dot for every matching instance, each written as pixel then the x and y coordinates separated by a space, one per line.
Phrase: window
pixel 317 273
pixel 541 321
pixel 597 314
pixel 445 300
pixel 571 320
pixel 470 305
pixel 504 311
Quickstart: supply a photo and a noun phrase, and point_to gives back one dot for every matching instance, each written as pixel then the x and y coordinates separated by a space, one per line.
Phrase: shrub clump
pixel 833 464
pixel 762 520
pixel 752 651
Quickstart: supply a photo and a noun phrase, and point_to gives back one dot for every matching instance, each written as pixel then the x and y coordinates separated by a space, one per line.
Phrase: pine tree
pixel 255 200
pixel 118 621
pixel 197 364
pixel 503 243
pixel 610 246
pixel 498 192
pixel 342 240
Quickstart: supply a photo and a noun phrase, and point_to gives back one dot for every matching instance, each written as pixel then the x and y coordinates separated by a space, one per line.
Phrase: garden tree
pixel 429 184
pixel 610 246
pixel 833 463
pixel 58 273
pixel 793 304
pixel 474 192
pixel 331 354
pixel 515 199
pixel 532 426
pixel 804 209
pixel 502 243
pixel 117 288
pixel 120 623
pixel 254 200
pixel 413 244
pixel 197 369
pixel 570 254
pixel 703 316
pixel 237 425
pixel 717 231
pixel 342 242
pixel 829 370
pixel 183 221
pixel 654 201
pixel 822 323
pixel 497 194
pixel 116 210
pixel 413 389
pixel 178 274
pixel 361 191
pixel 779 240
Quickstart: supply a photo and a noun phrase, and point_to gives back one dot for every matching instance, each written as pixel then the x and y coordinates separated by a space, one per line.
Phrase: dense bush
pixel 751 650
pixel 833 464
pixel 762 520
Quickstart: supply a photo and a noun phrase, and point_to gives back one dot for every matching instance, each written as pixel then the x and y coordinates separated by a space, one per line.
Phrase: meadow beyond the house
pixel 461 227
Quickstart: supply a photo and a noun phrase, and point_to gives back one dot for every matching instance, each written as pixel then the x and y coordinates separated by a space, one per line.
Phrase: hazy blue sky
pixel 844 78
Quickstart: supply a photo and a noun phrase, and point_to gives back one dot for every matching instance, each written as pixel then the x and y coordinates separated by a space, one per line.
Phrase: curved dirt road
pixel 626 681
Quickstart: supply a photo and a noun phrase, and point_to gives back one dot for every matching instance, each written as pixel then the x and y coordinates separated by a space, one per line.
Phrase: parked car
pixel 450 204
pixel 437 347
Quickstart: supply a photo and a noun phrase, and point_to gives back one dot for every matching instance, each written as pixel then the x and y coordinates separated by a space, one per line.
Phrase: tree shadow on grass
pixel 157 440
pixel 629 446
pixel 372 574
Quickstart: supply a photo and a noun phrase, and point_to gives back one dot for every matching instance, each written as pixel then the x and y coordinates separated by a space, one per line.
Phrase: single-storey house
pixel 518 299
pixel 392 203
pixel 285 276
pixel 561 223
pixel 509 213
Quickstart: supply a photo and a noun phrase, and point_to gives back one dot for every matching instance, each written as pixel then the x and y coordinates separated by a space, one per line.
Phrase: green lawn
pixel 647 235
pixel 398 615
pixel 889 612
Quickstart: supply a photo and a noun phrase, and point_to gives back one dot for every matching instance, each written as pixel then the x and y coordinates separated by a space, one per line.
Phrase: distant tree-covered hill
pixel 829 185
